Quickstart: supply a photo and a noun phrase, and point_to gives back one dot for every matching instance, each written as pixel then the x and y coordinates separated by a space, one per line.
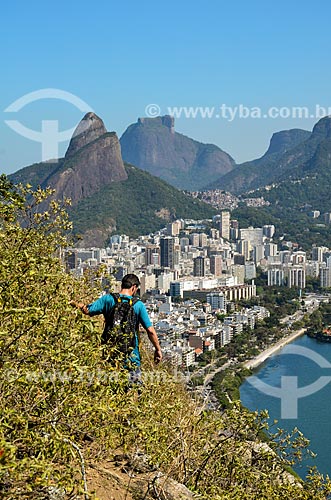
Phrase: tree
pixel 47 350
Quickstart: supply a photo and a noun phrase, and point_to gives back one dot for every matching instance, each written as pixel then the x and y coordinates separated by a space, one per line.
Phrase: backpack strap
pixel 116 297
pixel 119 299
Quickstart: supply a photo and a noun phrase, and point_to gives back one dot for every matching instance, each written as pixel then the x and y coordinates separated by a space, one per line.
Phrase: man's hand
pixel 155 341
pixel 157 356
pixel 80 305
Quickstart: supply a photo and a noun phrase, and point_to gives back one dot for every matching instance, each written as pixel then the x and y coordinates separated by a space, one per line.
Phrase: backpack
pixel 121 326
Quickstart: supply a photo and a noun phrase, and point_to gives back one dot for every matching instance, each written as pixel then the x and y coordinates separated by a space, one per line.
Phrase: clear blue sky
pixel 119 57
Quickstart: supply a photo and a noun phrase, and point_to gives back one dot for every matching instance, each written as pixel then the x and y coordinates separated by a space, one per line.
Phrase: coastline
pixel 264 355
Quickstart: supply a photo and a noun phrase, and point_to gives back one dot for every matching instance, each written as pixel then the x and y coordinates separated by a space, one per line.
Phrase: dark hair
pixel 129 280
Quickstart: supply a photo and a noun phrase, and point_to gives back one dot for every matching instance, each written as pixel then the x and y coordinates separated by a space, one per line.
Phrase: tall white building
pixel 173 228
pixel 317 253
pixel 194 239
pixel 184 243
pixel 150 251
pixel 258 253
pixel 214 234
pixel 238 271
pixel 276 276
pixel 253 234
pixel 216 265
pixel 244 248
pixel 147 281
pixel 327 217
pixel 225 225
pixel 296 276
pixel 250 270
pixel 325 276
pixel 203 240
pixel 226 334
pixel 163 282
pixel 312 268
pixel 270 250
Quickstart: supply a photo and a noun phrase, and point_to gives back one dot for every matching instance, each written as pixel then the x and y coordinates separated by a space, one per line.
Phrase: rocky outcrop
pixel 322 129
pixel 90 128
pixel 286 139
pixel 153 145
pixel 167 121
pixel 115 481
pixel 93 160
pixel 96 236
pixel 93 166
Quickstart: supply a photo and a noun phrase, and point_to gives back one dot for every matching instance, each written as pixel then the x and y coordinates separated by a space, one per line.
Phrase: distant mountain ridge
pixel 152 144
pixel 108 195
pixel 285 150
pixel 308 184
pixel 299 190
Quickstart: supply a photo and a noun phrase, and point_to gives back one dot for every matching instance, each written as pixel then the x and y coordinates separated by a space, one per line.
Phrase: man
pixel 105 304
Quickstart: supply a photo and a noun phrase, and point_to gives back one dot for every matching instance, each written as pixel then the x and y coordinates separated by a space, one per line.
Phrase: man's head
pixel 130 281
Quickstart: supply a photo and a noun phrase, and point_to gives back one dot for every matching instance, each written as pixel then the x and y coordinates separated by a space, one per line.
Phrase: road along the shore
pixel 264 355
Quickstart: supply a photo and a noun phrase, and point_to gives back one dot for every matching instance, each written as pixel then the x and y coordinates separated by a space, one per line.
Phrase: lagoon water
pixel 313 411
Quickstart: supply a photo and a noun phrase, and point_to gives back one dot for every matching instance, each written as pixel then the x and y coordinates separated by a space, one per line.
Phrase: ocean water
pixel 302 367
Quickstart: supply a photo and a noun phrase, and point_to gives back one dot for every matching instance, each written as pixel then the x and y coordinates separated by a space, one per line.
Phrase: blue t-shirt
pixel 105 304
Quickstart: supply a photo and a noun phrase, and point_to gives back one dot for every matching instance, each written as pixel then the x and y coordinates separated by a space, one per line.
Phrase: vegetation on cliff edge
pixel 63 406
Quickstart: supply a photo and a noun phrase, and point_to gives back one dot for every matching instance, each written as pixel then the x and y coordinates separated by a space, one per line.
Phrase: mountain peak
pixel 286 139
pixel 166 121
pixel 91 127
pixel 153 145
pixel 93 160
pixel 323 127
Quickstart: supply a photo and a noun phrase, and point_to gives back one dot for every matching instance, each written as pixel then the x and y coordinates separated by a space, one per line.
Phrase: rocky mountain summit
pixel 93 160
pixel 286 139
pixel 90 128
pixel 106 194
pixel 152 144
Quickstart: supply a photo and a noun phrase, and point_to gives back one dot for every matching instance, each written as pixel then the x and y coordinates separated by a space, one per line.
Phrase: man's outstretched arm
pixel 155 341
pixel 80 305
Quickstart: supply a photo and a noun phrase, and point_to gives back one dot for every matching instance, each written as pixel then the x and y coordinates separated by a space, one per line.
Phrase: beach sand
pixel 261 358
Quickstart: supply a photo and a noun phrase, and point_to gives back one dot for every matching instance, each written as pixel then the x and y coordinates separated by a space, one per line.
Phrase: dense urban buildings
pixel 193 271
